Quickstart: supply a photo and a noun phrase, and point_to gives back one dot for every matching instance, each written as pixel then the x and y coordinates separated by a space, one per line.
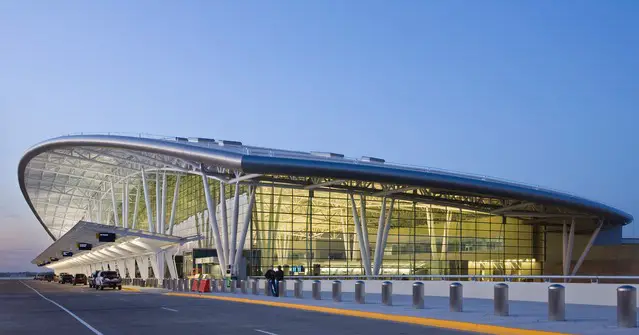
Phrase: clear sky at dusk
pixel 543 92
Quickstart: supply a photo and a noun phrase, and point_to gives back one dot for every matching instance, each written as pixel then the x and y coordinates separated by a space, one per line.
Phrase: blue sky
pixel 542 92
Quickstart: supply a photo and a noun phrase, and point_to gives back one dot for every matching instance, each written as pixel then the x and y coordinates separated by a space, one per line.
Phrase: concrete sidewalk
pixel 581 319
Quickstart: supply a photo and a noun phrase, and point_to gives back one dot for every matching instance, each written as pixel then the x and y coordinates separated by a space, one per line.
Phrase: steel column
pixel 387 226
pixel 571 242
pixel 587 249
pixel 147 201
pixel 225 224
pixel 213 220
pixel 115 211
pixel 163 210
pixel 245 228
pixel 360 239
pixel 157 202
pixel 364 224
pixel 125 204
pixel 380 233
pixel 174 204
pixel 135 207
pixel 236 213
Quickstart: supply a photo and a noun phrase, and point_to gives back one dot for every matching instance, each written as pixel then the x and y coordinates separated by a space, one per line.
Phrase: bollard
pixel 174 283
pixel 281 288
pixel 418 295
pixel 360 292
pixel 244 286
pixel 626 306
pixel 214 286
pixel 298 287
pixel 556 303
pixel 267 289
pixel 501 299
pixel 220 282
pixel 233 285
pixel 337 291
pixel 456 297
pixel 387 293
pixel 254 287
pixel 317 290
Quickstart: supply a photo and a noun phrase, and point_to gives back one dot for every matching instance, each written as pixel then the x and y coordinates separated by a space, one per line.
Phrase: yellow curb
pixel 455 325
pixel 131 289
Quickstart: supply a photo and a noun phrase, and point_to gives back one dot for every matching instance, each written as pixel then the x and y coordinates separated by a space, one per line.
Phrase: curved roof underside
pixel 61 176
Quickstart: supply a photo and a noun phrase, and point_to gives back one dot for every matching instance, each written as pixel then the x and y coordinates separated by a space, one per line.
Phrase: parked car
pixel 66 278
pixel 108 279
pixel 39 276
pixel 92 277
pixel 48 277
pixel 80 278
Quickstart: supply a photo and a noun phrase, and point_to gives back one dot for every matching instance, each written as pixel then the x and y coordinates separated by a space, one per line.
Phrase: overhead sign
pixel 106 237
pixel 54 259
pixel 84 246
pixel 67 254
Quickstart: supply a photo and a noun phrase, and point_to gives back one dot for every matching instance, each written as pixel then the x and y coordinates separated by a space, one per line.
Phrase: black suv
pixel 66 278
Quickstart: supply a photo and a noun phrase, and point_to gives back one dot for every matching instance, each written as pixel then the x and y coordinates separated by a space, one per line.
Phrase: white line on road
pixel 95 331
pixel 264 332
pixel 170 309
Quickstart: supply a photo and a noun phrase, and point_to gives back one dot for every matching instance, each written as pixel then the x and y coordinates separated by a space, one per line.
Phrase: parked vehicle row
pixel 63 278
pixel 98 279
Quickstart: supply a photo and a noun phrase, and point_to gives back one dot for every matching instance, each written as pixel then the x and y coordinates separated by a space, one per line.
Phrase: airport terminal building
pixel 178 206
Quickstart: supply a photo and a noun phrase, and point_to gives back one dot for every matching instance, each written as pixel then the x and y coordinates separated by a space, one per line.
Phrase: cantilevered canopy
pixel 129 243
pixel 64 179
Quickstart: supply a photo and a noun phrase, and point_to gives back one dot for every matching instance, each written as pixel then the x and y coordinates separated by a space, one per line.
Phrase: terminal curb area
pixel 446 324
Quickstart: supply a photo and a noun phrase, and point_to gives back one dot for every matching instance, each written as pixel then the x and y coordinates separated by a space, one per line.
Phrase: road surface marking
pixel 264 331
pixel 95 331
pixel 170 309
pixel 429 322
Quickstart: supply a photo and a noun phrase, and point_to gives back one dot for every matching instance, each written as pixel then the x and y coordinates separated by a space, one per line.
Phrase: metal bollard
pixel 556 303
pixel 298 288
pixel 233 285
pixel 337 291
pixel 222 285
pixel 244 286
pixel 501 299
pixel 387 293
pixel 267 289
pixel 456 297
pixel 281 288
pixel 317 290
pixel 254 287
pixel 174 284
pixel 418 295
pixel 360 292
pixel 626 306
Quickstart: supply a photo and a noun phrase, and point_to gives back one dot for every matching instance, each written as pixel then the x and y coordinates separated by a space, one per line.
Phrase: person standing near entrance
pixel 270 277
pixel 279 275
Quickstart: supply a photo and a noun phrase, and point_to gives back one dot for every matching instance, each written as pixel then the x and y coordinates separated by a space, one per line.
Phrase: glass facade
pixel 312 232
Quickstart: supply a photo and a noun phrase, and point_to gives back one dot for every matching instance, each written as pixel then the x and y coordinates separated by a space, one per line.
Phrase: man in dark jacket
pixel 279 275
pixel 270 278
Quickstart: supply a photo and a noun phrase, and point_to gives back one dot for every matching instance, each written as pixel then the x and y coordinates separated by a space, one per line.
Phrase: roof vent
pixel 326 154
pixel 181 139
pixel 225 143
pixel 205 140
pixel 372 159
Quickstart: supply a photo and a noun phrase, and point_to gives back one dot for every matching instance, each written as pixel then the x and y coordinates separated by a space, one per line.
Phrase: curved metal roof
pixel 101 158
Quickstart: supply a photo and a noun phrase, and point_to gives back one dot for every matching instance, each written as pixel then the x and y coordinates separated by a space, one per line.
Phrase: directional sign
pixel 67 254
pixel 106 237
pixel 84 246
pixel 54 259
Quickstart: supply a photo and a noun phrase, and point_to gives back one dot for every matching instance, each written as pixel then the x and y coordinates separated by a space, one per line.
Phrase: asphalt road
pixel 24 311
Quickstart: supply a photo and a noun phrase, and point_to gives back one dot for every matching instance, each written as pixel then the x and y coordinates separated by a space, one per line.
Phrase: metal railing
pixel 493 278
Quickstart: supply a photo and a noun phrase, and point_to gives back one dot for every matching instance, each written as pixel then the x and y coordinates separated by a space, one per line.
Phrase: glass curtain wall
pixel 313 233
